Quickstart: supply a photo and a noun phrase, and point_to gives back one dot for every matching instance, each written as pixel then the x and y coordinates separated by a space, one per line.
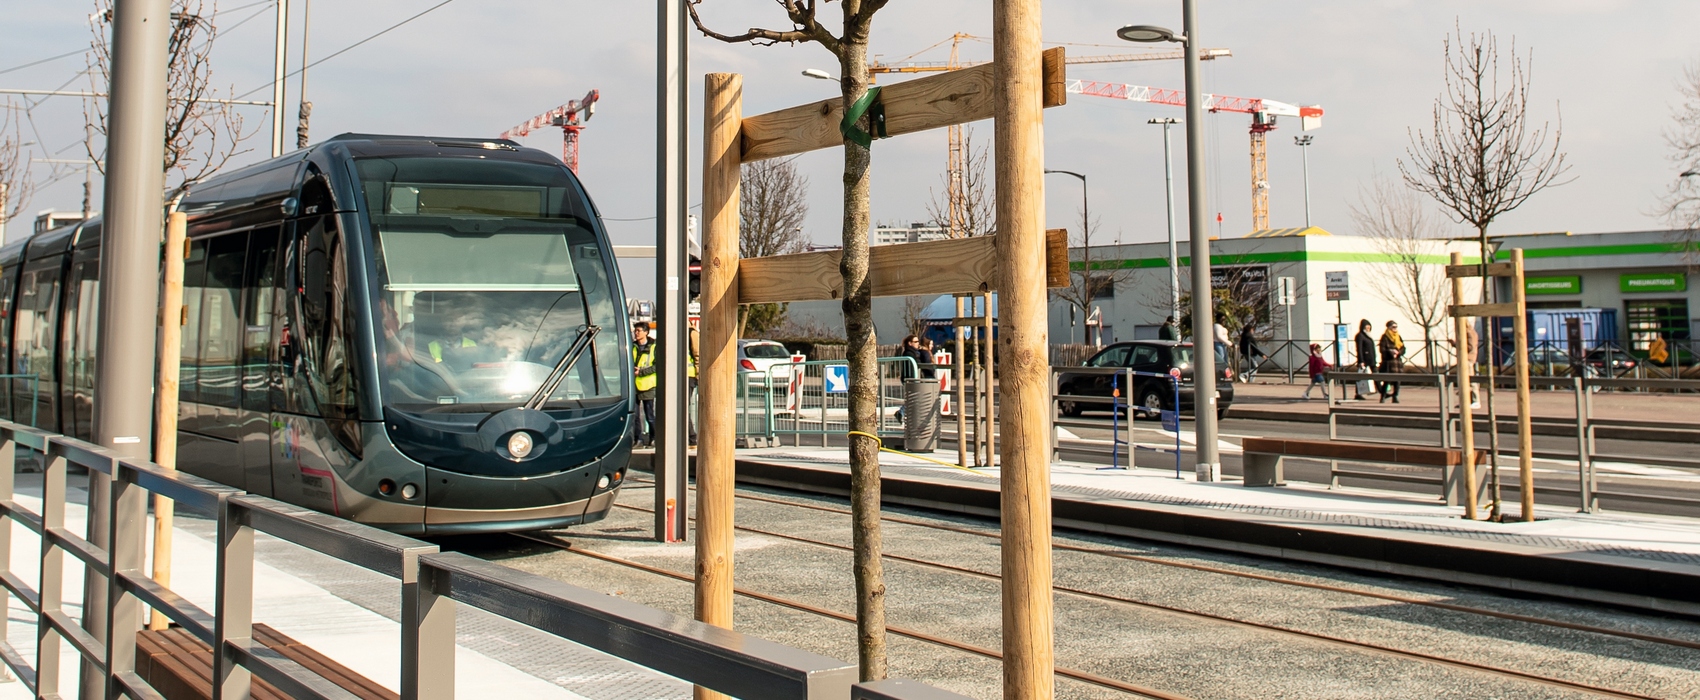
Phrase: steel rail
pixel 1070 673
pixel 1453 607
pixel 1184 612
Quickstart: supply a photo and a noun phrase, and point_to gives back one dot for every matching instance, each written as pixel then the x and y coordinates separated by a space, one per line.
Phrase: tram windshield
pixel 488 271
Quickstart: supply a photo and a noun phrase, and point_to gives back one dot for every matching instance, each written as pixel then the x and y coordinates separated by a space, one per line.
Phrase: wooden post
pixel 165 398
pixel 718 355
pixel 1029 659
pixel 961 361
pixel 1525 441
pixel 1467 419
pixel 991 412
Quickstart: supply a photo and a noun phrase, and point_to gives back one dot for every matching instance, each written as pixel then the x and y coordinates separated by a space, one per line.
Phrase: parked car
pixel 1548 361
pixel 756 357
pixel 1150 393
pixel 1610 362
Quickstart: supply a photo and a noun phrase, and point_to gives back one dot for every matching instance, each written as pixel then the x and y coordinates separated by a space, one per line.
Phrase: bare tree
pixel 913 322
pixel 1401 228
pixel 1093 277
pixel 15 183
pixel 203 131
pixel 850 48
pixel 1482 159
pixel 976 208
pixel 1680 204
pixel 771 209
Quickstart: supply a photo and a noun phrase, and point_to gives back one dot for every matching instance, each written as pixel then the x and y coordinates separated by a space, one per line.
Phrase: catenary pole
pixel 723 117
pixel 1203 317
pixel 129 278
pixel 1169 189
pixel 279 66
pixel 671 284
pixel 1025 487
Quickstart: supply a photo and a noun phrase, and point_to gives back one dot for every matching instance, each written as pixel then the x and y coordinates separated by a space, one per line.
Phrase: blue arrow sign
pixel 837 379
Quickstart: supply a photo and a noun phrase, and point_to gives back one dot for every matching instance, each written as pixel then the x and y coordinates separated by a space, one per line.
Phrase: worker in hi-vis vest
pixel 644 379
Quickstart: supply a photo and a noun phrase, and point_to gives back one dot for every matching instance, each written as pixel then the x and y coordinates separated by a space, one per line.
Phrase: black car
pixel 1150 393
pixel 1610 362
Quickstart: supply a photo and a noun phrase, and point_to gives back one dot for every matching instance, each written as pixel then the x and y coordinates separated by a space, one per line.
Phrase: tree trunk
pixel 862 355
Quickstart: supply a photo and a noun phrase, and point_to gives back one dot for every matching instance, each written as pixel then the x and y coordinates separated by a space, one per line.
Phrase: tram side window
pixel 257 318
pixel 194 279
pixel 328 327
pixel 81 331
pixel 221 330
pixel 37 319
pixel 6 298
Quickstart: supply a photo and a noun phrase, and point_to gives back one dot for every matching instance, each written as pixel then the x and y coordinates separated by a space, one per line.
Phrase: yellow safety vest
pixel 436 348
pixel 644 358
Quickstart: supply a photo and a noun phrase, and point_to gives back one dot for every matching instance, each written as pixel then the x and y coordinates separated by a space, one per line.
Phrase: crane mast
pixel 571 117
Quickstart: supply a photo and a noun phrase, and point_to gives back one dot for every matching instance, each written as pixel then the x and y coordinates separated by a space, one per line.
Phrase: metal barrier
pixel 430 584
pixel 1120 377
pixel 801 399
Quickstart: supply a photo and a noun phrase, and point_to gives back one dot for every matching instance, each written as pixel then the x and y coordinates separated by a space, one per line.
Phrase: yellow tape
pixel 883 448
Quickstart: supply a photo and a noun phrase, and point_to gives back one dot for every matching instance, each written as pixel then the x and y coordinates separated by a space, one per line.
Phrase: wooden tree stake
pixel 1525 441
pixel 165 399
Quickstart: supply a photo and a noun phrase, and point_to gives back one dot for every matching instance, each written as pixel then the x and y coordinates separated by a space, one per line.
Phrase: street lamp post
pixel 1169 185
pixel 1203 317
pixel 1085 245
pixel 1303 142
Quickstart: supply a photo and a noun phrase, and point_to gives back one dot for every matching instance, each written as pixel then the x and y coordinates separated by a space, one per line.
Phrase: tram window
pixel 37 322
pixel 194 278
pixel 81 331
pixel 221 331
pixel 329 328
pixel 293 393
pixel 257 318
pixel 6 297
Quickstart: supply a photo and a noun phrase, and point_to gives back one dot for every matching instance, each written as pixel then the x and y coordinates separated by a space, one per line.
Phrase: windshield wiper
pixel 585 334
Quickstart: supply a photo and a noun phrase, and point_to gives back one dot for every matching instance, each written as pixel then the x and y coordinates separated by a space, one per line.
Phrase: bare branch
pixel 801 13
pixel 1680 204
pixel 16 187
pixel 1402 230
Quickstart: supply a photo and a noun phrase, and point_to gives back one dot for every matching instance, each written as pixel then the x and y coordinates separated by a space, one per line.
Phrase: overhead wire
pixel 348 48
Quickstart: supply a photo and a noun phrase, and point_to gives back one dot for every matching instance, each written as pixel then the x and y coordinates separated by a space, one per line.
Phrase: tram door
pixel 254 415
pixel 209 393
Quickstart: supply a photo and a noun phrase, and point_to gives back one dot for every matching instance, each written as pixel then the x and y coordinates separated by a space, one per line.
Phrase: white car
pixel 756 357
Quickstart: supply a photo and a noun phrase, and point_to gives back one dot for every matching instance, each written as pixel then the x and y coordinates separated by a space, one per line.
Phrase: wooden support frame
pixel 954 266
pixel 1516 309
pixel 1484 310
pixel 952 97
pixel 1466 489
pixel 1456 270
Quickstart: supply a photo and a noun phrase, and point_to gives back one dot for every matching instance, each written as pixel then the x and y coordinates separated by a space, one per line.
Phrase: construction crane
pixel 570 117
pixel 1263 114
pixel 957 160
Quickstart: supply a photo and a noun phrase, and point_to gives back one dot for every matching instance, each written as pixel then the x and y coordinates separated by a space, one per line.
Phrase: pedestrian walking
pixel 1366 357
pixel 1168 331
pixel 1392 354
pixel 1318 368
pixel 644 380
pixel 1249 352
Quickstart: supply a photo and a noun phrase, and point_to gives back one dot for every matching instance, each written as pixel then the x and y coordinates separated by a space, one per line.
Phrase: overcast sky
pixel 476 67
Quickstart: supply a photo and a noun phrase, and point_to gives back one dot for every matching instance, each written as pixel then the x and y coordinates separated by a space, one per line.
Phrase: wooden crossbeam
pixel 953 97
pixel 954 266
pixel 1491 270
pixel 1484 310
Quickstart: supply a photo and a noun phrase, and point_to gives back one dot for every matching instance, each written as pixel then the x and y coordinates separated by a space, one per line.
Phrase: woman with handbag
pixel 1366 357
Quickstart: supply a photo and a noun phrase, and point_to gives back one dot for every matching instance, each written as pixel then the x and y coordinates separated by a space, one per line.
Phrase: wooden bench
pixel 1263 457
pixel 179 666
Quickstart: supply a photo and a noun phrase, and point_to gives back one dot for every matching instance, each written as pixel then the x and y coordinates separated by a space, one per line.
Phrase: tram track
pixel 1070 673
pixel 1224 571
pixel 1355 645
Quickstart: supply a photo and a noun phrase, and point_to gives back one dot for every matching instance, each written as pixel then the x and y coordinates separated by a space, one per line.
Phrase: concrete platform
pixel 344 612
pixel 1648 562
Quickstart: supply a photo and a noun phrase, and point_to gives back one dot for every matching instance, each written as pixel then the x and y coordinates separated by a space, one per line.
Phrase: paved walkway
pixel 344 612
pixel 1643 537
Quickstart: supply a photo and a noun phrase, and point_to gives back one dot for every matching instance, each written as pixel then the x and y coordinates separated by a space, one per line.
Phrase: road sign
pixel 837 379
pixel 1286 293
pixel 1175 372
pixel 1339 288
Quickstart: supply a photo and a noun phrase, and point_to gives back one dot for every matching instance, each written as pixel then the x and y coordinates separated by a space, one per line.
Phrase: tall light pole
pixel 1169 185
pixel 672 280
pixel 1303 142
pixel 278 65
pixel 1203 317
pixel 1085 246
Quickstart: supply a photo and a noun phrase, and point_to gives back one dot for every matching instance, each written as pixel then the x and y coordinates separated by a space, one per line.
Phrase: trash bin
pixel 920 415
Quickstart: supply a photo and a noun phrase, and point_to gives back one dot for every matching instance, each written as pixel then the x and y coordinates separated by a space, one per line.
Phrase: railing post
pixel 234 593
pixel 126 555
pixel 427 633
pixel 52 584
pixel 1449 472
pixel 8 462
pixel 1584 458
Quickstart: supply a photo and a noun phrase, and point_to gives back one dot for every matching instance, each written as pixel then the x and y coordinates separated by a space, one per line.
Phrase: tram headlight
pixel 520 444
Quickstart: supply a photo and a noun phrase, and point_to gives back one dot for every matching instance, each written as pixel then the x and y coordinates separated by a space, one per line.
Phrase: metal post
pixel 672 288
pixel 279 66
pixel 1208 465
pixel 427 634
pixel 1169 189
pixel 991 412
pixel 1304 153
pixel 233 619
pixel 129 268
pixel 127 554
pixel 961 382
pixel 1584 485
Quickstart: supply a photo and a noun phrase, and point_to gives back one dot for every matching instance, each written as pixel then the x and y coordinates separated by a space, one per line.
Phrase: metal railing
pixel 431 584
pixel 797 400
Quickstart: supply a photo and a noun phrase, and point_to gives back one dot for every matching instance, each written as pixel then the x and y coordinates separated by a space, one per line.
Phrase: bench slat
pixel 179 666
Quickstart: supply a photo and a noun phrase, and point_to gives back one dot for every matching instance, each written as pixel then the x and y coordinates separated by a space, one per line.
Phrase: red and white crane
pixel 570 117
pixel 1263 113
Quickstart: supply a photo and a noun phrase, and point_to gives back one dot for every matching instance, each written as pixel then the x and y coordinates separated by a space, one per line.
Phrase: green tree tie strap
pixel 869 104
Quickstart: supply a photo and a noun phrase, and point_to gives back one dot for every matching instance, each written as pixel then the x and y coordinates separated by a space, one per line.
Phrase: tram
pixel 420 334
